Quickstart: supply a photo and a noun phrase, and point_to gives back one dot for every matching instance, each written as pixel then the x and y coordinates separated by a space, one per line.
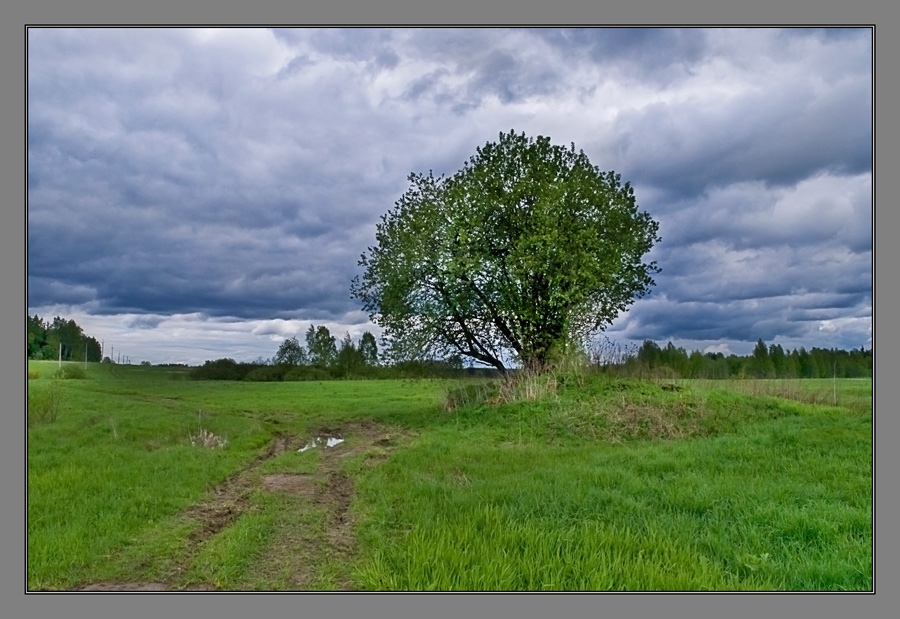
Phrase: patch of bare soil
pixel 216 515
pixel 290 482
pixel 139 587
pixel 331 491
pixel 298 551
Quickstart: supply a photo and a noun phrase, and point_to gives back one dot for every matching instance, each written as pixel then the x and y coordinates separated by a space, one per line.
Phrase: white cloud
pixel 718 348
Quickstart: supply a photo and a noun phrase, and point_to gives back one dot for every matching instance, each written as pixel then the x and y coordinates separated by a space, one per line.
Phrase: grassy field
pixel 139 479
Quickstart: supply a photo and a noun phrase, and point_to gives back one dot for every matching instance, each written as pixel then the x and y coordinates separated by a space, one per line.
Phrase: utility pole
pixel 834 383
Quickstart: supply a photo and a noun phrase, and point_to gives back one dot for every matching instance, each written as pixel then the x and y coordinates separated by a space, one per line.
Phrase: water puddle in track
pixel 328 441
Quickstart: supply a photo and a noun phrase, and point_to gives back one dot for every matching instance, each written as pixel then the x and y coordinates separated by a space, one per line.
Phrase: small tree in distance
pixel 290 353
pixel 762 366
pixel 321 346
pixel 368 348
pixel 349 358
pixel 524 251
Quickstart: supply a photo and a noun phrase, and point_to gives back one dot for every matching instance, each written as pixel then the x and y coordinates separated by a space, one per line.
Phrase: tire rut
pixel 329 489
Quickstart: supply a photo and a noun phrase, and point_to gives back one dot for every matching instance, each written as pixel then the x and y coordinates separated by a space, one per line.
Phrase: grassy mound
pixel 597 406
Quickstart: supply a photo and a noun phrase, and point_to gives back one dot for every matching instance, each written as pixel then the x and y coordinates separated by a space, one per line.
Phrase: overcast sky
pixel 197 194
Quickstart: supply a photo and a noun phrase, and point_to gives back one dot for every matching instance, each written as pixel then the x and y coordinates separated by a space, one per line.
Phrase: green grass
pixel 592 484
pixel 711 510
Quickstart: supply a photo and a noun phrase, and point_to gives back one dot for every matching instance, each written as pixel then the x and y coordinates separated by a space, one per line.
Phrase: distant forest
pixel 324 358
pixel 771 361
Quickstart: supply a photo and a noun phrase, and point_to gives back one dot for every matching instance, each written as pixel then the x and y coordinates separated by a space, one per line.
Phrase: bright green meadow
pixel 140 479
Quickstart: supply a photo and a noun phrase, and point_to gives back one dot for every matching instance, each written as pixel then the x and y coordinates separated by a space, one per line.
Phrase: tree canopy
pixel 61 338
pixel 321 346
pixel 368 348
pixel 290 353
pixel 526 249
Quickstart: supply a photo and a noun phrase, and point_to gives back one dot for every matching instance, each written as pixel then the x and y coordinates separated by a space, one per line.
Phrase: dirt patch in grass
pixel 215 516
pixel 282 443
pixel 318 534
pixel 290 482
pixel 302 551
pixel 141 586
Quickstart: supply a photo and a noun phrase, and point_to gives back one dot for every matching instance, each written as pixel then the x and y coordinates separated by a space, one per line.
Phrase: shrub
pixel 71 372
pixel 305 372
pixel 267 373
pixel 221 369
pixel 428 368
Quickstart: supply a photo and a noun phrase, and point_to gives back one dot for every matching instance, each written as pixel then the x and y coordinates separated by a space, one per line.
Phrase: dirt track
pixel 328 489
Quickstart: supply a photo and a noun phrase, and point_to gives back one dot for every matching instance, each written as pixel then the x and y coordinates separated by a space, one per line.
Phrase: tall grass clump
pixel 205 438
pixel 524 385
pixel 44 403
pixel 70 372
pixel 471 394
pixel 612 357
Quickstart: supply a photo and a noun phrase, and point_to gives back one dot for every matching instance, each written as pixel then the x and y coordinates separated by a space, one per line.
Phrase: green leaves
pixel 290 353
pixel 526 248
pixel 321 346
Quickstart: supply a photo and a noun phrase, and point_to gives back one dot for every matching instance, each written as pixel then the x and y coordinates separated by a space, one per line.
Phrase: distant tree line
pixel 324 358
pixel 771 361
pixel 47 340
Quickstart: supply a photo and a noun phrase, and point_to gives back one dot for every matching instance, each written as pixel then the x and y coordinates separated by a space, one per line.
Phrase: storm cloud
pixel 199 193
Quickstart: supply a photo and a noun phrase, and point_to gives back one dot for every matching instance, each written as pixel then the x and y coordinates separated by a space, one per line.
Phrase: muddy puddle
pixel 327 441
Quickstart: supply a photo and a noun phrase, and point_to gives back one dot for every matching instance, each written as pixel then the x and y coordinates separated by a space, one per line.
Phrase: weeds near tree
pixel 611 356
pixel 467 395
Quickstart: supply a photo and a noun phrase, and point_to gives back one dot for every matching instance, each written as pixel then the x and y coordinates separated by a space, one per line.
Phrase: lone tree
pixel 525 250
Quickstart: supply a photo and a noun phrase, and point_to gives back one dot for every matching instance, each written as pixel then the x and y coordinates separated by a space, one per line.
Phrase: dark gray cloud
pixel 474 66
pixel 663 54
pixel 503 74
pixel 779 136
pixel 222 180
